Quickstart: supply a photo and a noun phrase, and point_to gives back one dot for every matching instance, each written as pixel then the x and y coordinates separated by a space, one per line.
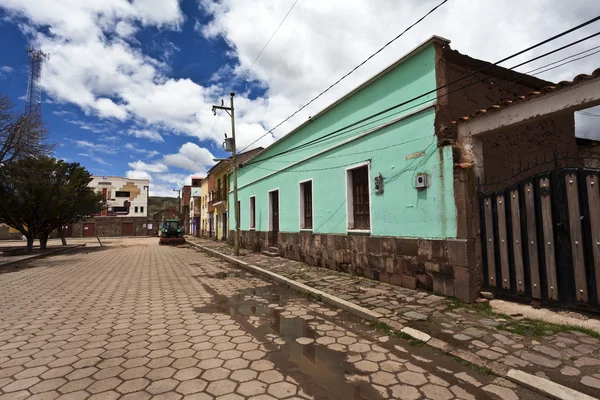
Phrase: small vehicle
pixel 171 233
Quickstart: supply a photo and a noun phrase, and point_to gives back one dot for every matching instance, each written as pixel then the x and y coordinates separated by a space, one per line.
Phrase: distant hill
pixel 157 203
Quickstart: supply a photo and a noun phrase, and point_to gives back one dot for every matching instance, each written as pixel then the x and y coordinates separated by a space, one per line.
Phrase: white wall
pixel 114 184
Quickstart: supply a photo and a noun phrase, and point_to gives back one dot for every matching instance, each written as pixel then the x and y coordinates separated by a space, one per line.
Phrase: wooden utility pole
pixel 229 110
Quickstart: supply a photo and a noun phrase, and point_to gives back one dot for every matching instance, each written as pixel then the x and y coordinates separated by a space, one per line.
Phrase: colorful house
pixel 371 184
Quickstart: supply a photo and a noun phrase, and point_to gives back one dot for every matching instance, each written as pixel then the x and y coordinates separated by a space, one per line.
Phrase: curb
pixel 545 386
pixel 325 297
pixel 540 385
pixel 49 253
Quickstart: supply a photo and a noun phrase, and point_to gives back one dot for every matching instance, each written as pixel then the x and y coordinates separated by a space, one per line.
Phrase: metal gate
pixel 541 235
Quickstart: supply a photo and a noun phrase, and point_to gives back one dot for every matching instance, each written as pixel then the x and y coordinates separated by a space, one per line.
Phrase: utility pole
pixel 179 201
pixel 229 110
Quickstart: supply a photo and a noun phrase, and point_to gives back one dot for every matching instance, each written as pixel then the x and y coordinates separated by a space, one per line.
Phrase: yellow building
pixel 220 173
pixel 204 208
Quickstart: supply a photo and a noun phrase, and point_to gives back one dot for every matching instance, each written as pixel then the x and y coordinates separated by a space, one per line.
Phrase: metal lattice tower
pixel 34 90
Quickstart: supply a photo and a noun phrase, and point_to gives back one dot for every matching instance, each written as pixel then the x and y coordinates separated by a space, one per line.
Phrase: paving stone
pixel 489 354
pixel 540 360
pixel 461 393
pixel 415 315
pixel 462 337
pixel 463 376
pixel 405 392
pixel 570 371
pixel 547 351
pixel 412 378
pixel 586 361
pixel 435 392
pixel 591 382
pixel 502 392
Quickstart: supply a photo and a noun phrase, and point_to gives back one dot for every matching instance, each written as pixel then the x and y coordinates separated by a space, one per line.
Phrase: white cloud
pixel 98 65
pixel 148 153
pixel 146 134
pixel 5 71
pixel 190 157
pixel 96 147
pixel 142 166
pixel 99 160
pixel 137 174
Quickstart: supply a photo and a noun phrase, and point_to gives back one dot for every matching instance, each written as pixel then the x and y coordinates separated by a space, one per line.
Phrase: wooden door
pixel 68 230
pixel 274 217
pixel 89 229
pixel 127 229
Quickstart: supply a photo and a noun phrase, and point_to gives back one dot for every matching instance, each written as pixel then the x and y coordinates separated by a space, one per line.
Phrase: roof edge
pixel 431 40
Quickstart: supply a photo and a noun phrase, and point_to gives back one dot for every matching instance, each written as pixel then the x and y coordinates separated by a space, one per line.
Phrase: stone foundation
pixel 113 226
pixel 445 266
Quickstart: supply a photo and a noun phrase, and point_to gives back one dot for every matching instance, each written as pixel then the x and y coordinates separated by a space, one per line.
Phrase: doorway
pixel 88 229
pixel 127 229
pixel 274 216
pixel 224 226
pixel 68 230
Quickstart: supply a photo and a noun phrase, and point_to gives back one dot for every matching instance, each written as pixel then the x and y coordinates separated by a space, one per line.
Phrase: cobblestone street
pixel 133 320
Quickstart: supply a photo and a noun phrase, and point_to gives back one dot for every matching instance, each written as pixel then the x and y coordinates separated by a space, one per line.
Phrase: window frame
pixel 301 207
pixel 135 209
pixel 141 209
pixel 120 191
pixel 252 213
pixel 350 199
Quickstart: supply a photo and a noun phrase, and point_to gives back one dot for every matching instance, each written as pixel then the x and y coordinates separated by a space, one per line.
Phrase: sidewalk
pixel 6 261
pixel 473 333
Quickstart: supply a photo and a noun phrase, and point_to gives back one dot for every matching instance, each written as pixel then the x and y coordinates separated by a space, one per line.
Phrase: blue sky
pixel 129 84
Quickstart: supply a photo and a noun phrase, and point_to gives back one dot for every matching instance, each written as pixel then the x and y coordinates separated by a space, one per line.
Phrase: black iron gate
pixel 541 234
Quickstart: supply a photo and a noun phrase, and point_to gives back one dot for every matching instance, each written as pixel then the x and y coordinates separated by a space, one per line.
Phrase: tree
pixel 40 194
pixel 21 134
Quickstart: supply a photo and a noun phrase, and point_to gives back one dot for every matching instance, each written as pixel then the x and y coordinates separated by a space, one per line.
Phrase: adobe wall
pixel 112 226
pixel 441 266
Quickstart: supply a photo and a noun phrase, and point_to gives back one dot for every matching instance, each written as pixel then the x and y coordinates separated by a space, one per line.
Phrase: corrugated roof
pixel 532 95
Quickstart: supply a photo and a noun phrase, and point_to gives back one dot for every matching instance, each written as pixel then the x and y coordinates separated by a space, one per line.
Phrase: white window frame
pixel 252 213
pixel 350 199
pixel 271 208
pixel 301 205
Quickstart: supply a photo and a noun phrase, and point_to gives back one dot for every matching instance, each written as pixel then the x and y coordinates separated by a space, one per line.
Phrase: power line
pixel 562 59
pixel 349 73
pixel 266 44
pixel 440 87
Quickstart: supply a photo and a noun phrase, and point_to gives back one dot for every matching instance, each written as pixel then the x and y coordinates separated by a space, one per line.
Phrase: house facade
pixel 204 208
pixel 371 185
pixel 126 211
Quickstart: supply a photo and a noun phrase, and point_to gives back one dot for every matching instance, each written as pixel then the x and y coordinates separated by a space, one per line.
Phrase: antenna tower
pixel 33 102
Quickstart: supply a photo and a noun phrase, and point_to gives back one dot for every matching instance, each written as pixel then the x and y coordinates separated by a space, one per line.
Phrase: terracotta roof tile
pixel 532 95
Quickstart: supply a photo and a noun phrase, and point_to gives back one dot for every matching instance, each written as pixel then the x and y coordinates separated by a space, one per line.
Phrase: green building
pixel 381 196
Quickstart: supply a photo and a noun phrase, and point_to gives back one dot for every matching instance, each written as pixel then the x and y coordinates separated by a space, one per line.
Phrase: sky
pixel 129 84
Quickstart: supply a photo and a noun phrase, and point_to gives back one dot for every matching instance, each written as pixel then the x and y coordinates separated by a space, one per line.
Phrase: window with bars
pixel 358 198
pixel 252 212
pixel 306 205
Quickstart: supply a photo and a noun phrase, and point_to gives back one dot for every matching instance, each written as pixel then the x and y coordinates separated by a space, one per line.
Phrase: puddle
pixel 320 371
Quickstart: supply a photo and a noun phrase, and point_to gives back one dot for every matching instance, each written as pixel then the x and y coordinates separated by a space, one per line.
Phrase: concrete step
pixel 273 249
pixel 270 253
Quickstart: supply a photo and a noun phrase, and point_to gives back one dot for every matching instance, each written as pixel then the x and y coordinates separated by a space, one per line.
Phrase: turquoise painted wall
pixel 401 210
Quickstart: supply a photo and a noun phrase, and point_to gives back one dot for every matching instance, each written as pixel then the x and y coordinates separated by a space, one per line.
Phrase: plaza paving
pixel 133 320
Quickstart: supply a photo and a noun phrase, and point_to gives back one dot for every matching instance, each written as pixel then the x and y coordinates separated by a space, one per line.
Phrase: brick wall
pixel 441 266
pixel 113 226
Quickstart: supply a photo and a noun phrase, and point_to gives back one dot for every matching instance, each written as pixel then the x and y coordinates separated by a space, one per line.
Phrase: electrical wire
pixel 320 139
pixel 268 41
pixel 348 73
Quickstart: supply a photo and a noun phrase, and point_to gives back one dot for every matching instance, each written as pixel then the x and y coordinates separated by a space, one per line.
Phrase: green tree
pixel 40 194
